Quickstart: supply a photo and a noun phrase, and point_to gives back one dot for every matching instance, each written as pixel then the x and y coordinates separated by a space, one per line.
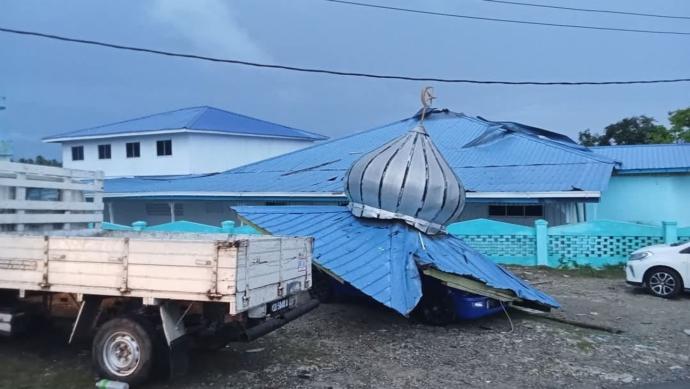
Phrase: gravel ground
pixel 352 345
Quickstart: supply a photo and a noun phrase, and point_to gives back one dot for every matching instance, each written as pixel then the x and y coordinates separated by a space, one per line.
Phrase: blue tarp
pixel 382 258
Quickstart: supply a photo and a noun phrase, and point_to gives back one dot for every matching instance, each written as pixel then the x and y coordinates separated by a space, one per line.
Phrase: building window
pixel 77 153
pixel 132 150
pixel 516 210
pixel 214 207
pixel 164 147
pixel 276 203
pixel 103 151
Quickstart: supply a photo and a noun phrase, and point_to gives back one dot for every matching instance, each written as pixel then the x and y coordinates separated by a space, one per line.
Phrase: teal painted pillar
pixel 541 230
pixel 670 232
pixel 227 226
pixel 139 225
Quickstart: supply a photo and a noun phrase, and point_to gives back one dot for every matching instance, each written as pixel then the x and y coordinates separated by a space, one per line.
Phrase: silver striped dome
pixel 406 179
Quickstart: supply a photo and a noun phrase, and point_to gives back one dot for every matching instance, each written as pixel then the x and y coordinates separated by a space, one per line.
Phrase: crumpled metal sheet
pixel 381 257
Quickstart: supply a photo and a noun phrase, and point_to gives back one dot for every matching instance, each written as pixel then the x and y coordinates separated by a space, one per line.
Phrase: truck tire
pixel 123 350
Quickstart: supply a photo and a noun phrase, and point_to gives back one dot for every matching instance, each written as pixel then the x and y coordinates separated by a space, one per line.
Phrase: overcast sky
pixel 51 87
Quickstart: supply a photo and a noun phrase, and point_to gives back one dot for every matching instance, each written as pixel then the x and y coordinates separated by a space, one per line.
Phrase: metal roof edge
pixel 177 131
pixel 266 121
pixel 652 171
pixel 315 145
pixel 67 134
pixel 341 195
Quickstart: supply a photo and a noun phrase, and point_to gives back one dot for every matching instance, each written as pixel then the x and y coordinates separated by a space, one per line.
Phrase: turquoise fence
pixel 226 227
pixel 598 243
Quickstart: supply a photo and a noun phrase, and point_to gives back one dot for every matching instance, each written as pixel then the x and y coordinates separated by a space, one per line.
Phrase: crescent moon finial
pixel 427 99
pixel 427 96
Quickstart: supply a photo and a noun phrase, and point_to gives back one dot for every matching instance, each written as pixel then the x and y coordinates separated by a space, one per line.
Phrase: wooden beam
pixel 471 286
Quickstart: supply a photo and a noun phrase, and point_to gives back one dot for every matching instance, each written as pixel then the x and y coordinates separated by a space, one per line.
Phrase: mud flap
pixel 178 358
pixel 89 310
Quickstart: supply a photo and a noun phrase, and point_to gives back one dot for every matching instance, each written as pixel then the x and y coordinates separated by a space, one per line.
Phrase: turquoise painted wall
pixel 648 199
pixel 595 244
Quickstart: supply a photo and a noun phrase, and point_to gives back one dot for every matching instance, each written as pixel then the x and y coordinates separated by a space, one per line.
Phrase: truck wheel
pixel 123 350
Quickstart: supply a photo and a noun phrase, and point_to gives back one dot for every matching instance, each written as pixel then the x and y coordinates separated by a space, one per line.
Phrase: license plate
pixel 279 305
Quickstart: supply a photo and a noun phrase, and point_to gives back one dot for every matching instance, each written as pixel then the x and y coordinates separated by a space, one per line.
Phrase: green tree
pixel 636 130
pixel 680 124
pixel 40 160
pixel 588 139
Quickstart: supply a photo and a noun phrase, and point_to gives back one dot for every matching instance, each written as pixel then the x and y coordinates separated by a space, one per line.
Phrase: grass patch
pixel 608 271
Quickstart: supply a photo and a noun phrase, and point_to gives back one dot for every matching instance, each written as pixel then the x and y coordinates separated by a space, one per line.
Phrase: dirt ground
pixel 355 345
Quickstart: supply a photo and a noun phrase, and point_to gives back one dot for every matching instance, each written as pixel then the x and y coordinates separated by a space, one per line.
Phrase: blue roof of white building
pixel 662 158
pixel 196 119
pixel 487 156
pixel 381 258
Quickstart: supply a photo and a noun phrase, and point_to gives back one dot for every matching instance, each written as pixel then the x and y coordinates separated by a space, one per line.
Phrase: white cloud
pixel 210 25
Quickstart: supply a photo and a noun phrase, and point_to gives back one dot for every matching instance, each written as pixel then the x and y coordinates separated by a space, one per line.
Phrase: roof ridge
pixel 267 121
pixel 589 154
pixel 585 154
pixel 117 122
pixel 196 118
pixel 317 145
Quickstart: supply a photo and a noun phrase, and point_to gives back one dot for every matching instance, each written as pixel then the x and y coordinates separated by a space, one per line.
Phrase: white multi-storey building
pixel 186 141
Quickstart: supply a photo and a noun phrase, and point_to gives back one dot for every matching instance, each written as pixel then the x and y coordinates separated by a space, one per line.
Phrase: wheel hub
pixel 121 354
pixel 662 283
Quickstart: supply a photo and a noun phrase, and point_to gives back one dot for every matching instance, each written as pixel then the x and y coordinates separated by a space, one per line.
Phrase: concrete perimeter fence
pixel 596 244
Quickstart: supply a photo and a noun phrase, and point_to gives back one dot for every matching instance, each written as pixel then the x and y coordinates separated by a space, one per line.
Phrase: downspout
pixel 171 204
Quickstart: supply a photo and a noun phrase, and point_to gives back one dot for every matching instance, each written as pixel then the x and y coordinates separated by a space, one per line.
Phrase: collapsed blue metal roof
pixel 381 258
pixel 487 156
pixel 206 119
pixel 648 158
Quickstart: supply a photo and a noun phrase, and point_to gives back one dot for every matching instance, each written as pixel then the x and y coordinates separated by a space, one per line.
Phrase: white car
pixel 663 269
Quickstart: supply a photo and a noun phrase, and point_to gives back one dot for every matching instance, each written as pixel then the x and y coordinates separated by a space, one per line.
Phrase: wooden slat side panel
pixel 77 250
pixel 171 252
pixel 84 274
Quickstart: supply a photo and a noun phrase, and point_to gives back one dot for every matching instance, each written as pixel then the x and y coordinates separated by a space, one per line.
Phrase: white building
pixel 186 141
pixel 5 150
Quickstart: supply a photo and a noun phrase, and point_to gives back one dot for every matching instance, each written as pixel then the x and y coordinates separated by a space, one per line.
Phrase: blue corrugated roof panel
pixel 640 158
pixel 381 258
pixel 207 119
pixel 487 156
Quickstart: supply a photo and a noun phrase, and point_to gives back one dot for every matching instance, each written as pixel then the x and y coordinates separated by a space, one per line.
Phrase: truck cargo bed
pixel 242 271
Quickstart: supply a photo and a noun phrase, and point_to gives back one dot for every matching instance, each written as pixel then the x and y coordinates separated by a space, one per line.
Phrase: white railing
pixel 35 197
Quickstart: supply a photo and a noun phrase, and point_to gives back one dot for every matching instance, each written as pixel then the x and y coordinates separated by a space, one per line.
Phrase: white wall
pixel 191 154
pixel 149 163
pixel 216 153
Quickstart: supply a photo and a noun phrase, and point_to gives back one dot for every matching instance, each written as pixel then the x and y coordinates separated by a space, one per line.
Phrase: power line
pixel 459 16
pixel 606 11
pixel 327 71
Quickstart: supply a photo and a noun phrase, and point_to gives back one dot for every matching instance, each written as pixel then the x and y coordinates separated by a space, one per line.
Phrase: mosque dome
pixel 406 179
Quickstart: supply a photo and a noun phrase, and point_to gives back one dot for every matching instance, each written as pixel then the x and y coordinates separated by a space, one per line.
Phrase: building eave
pixel 653 171
pixel 563 195
pixel 61 139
